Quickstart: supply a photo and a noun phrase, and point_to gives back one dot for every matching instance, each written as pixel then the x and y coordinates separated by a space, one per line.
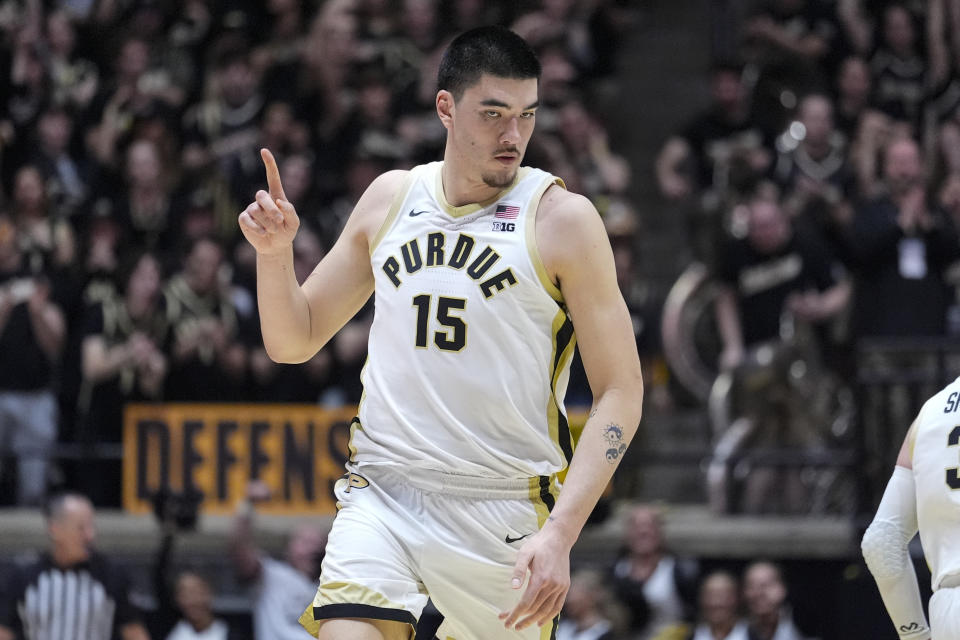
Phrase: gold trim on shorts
pixel 351 600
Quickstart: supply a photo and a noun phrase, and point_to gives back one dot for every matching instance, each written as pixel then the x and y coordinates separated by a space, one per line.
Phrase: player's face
pixel 72 531
pixel 491 125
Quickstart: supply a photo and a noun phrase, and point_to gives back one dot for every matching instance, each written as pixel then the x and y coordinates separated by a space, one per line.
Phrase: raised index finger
pixel 273 175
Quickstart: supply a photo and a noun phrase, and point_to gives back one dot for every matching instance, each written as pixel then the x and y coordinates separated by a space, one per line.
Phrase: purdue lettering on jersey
pixel 470 345
pixel 460 255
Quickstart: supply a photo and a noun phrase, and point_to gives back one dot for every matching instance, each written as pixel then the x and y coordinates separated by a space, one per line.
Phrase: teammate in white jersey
pixel 923 493
pixel 482 269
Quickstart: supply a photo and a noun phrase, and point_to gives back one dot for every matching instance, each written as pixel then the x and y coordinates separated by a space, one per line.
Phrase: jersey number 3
pixel 454 337
pixel 953 481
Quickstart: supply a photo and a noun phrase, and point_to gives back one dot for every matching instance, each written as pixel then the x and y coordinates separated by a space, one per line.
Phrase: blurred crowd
pixel 650 593
pixel 645 592
pixel 129 139
pixel 821 187
pixel 823 182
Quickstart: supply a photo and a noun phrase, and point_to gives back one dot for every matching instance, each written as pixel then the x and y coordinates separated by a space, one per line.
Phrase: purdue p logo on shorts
pixel 356 481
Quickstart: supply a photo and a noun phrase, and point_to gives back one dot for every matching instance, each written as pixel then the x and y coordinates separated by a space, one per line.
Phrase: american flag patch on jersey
pixel 507 211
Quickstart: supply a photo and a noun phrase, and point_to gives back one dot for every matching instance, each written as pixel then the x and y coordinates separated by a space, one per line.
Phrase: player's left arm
pixel 885 548
pixel 576 252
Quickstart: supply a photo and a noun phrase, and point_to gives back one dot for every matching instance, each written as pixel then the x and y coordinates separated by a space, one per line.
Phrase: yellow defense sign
pixel 211 451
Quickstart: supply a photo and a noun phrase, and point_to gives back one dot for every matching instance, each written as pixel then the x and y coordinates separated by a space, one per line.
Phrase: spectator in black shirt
pixel 147 207
pixel 64 175
pixel 812 159
pixel 815 175
pixel 71 592
pixel 702 156
pixel 25 91
pixel 123 360
pixel 903 246
pixel 222 132
pixel 208 363
pixel 657 587
pixel 899 69
pixel 771 272
pixel 717 158
pixel 47 240
pixel 75 79
pixel 32 330
pixel 854 86
pixel 791 42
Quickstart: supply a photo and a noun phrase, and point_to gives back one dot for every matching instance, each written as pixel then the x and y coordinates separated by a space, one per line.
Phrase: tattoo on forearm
pixel 613 434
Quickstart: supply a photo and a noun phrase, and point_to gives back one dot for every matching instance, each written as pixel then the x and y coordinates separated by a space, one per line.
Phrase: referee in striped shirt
pixel 71 592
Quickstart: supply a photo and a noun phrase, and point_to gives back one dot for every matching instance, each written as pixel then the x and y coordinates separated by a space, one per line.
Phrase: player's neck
pixel 459 188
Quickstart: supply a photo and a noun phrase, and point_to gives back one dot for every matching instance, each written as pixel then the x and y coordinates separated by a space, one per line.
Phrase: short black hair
pixel 492 50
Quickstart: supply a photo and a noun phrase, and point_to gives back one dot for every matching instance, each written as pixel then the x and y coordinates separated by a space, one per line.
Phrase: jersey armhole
pixel 391 218
pixel 530 218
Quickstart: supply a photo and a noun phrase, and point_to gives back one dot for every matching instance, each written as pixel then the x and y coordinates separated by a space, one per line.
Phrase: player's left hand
pixel 547 557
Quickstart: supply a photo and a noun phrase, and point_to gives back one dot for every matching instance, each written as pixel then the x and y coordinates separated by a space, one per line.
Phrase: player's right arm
pixel 885 550
pixel 297 320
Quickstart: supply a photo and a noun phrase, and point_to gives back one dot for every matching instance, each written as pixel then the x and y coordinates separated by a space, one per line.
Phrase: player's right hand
pixel 270 222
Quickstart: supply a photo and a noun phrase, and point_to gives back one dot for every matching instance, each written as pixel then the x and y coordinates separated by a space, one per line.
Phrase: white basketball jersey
pixel 936 470
pixel 470 346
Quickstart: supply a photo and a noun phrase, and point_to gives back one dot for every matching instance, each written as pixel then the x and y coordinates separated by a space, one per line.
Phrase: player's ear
pixel 445 107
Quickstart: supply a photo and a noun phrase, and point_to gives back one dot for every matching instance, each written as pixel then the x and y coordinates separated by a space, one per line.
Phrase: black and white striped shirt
pixel 87 601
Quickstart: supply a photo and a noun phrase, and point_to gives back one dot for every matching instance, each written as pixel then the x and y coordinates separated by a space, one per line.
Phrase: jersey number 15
pixel 454 337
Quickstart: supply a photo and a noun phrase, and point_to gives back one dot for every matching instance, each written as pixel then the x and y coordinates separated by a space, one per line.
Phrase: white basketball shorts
pixel 945 614
pixel 401 536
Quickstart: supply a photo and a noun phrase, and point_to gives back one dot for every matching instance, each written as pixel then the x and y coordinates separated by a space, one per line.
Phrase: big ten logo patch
pixel 499 225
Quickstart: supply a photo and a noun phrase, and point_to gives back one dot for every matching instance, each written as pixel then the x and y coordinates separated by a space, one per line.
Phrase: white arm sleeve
pixel 884 548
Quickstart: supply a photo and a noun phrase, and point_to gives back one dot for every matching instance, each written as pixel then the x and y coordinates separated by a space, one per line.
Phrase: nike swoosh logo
pixel 414 214
pixel 510 540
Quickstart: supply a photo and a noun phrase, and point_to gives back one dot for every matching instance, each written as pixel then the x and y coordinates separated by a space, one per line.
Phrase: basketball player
pixel 924 493
pixel 482 269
